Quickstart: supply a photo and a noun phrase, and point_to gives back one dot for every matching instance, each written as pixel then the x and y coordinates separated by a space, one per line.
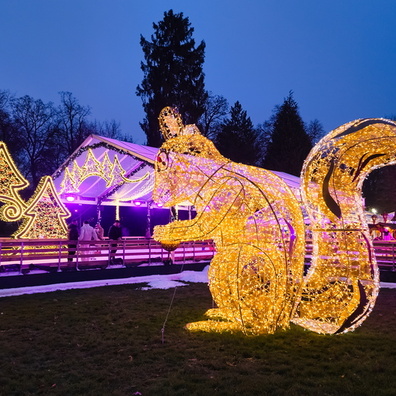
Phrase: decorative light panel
pixel 45 215
pixel 112 172
pixel 256 276
pixel 11 182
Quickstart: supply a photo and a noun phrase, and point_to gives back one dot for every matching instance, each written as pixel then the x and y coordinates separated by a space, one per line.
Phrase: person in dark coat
pixel 72 236
pixel 115 233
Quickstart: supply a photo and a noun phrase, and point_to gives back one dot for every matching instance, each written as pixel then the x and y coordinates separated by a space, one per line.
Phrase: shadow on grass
pixel 108 341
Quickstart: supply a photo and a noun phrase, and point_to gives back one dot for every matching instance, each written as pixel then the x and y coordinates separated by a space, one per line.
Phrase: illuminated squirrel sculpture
pixel 342 284
pixel 256 276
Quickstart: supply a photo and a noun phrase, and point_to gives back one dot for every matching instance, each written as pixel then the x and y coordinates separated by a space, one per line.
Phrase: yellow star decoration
pixel 256 276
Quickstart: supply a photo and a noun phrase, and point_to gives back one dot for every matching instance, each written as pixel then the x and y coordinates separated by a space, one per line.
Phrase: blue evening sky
pixel 337 56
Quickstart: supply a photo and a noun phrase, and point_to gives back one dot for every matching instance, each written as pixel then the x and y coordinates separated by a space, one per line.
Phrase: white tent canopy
pixel 108 172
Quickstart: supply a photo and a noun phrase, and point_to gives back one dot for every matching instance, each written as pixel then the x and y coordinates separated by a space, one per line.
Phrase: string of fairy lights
pixel 112 172
pixel 44 215
pixel 11 183
pixel 91 147
pixel 342 284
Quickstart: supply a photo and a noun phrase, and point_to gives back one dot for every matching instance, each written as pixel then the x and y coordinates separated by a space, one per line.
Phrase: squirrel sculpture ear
pixel 170 121
pixel 190 129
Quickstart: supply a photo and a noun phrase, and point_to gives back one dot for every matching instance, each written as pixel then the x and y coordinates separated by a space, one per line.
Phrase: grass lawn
pixel 108 341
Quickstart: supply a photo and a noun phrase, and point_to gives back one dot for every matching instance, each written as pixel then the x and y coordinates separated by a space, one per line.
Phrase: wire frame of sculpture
pixel 256 277
pixel 254 220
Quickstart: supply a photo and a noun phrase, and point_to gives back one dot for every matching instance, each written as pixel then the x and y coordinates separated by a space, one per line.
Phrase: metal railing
pixel 24 255
pixel 384 251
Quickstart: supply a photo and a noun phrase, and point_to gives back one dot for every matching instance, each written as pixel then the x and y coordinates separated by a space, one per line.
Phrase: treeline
pixel 173 75
pixel 41 136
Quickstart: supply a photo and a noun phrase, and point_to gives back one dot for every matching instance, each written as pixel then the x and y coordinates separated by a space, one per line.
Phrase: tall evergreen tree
pixel 315 131
pixel 289 142
pixel 173 74
pixel 379 189
pixel 238 140
pixel 215 112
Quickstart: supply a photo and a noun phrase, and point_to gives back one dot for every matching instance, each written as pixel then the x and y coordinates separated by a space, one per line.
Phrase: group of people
pixel 382 230
pixel 89 233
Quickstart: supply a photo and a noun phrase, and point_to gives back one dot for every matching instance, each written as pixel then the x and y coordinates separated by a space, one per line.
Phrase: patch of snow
pixel 387 285
pixel 153 281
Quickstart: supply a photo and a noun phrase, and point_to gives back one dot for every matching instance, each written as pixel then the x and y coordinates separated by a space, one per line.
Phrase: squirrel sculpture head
pixel 177 164
pixel 184 139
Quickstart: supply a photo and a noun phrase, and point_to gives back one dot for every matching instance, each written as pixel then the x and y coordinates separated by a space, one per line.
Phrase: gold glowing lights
pixel 342 284
pixel 254 220
pixel 45 215
pixel 112 172
pixel 11 182
pixel 256 276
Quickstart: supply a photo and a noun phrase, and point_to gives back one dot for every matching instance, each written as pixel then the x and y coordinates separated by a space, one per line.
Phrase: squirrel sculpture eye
pixel 162 161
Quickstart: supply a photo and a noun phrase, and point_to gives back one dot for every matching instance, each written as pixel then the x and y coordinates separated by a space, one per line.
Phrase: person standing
pixel 99 231
pixel 115 233
pixel 72 236
pixel 88 233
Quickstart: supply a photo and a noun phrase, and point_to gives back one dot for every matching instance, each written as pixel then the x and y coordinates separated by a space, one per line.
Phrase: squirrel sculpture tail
pixel 342 284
